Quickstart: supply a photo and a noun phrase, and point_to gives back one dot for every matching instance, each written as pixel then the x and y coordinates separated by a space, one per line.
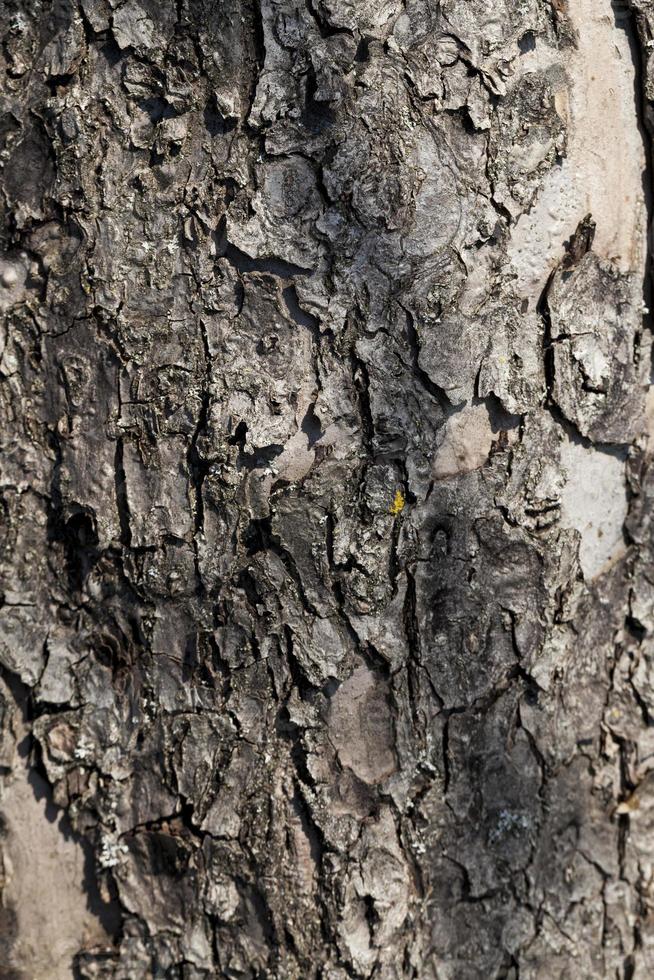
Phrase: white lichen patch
pixel 594 501
pixel 112 851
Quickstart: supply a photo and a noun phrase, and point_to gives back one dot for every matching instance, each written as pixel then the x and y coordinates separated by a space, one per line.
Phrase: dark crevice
pixel 633 23
pixel 301 317
pixel 198 465
pixel 122 501
pixel 260 457
pixel 527 42
pixel 244 263
pixel 361 380
pixel 258 35
pixel 325 29
pixel 437 393
pixel 259 537
pixel 311 426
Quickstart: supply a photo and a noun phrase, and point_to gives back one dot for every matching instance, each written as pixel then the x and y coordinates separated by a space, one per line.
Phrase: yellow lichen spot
pixel 628 806
pixel 398 503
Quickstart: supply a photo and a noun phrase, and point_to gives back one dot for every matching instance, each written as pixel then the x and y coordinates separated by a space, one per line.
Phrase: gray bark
pixel 327 615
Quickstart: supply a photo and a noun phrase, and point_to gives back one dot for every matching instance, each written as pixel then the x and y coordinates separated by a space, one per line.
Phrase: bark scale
pixel 326 625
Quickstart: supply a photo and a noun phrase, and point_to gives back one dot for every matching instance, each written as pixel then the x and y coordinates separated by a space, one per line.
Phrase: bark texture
pixel 328 580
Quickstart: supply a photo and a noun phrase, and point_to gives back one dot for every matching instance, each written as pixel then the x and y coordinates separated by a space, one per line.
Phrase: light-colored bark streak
pixel 602 174
pixel 594 501
pixel 45 879
pixel 604 167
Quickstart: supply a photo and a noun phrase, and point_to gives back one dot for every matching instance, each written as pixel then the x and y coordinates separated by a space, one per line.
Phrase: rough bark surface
pixel 327 622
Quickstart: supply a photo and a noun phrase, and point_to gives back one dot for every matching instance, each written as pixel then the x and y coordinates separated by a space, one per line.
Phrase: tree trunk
pixel 327 623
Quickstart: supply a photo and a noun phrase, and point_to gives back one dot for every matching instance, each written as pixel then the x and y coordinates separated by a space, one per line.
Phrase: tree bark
pixel 327 611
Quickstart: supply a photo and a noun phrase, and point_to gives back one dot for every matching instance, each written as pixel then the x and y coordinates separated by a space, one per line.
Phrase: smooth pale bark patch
pixel 602 171
pixel 466 442
pixel 594 501
pixel 360 727
pixel 47 880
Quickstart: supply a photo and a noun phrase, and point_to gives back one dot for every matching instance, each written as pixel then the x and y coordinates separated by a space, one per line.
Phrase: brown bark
pixel 326 621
